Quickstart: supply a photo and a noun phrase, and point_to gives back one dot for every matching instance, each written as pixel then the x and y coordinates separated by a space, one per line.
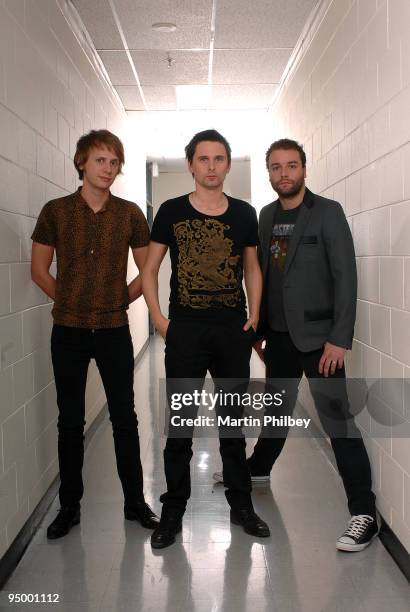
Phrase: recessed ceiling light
pixel 164 27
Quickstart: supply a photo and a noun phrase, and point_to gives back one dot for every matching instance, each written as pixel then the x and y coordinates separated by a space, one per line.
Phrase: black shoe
pixel 360 531
pixel 142 513
pixel 250 522
pixel 65 519
pixel 165 533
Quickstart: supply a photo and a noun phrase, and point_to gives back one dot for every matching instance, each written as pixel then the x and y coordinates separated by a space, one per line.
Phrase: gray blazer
pixel 320 278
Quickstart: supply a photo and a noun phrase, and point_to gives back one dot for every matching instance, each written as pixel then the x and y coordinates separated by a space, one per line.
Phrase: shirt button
pixel 92 251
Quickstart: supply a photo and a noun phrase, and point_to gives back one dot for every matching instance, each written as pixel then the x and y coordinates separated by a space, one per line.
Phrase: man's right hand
pixel 258 348
pixel 162 326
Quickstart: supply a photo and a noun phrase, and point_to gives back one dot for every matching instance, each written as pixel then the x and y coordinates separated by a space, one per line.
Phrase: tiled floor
pixel 107 563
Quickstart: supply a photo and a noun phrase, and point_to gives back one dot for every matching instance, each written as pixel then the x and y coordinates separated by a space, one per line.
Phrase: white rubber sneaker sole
pixel 217 476
pixel 347 547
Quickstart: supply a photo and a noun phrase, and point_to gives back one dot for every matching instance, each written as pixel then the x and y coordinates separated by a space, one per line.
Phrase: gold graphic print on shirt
pixel 208 275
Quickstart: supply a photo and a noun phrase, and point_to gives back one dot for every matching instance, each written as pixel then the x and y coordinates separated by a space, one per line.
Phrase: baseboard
pixel 12 556
pixel 396 549
pixel 389 540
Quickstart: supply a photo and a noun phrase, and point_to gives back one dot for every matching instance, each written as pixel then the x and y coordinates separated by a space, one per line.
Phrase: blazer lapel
pixel 303 218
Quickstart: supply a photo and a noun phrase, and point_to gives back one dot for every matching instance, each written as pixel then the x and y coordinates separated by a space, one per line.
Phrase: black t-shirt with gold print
pixel 206 255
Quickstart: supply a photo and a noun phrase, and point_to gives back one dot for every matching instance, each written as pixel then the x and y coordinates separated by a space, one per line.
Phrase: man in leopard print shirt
pixel 91 232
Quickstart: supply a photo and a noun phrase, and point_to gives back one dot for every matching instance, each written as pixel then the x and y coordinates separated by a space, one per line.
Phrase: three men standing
pixel 91 231
pixel 307 318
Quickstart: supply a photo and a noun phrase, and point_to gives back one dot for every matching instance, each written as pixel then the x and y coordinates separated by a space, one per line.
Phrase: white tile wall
pixel 5 285
pixel 407 283
pixel 353 194
pixel 392 483
pixel 8 495
pixel 49 95
pixel 370 188
pixel 9 237
pixel 380 334
pixel 400 228
pixel 388 80
pixel 400 322
pixel 362 327
pixel 366 71
pixel 391 281
pixel 400 528
pixel 7 405
pixel 23 381
pixel 14 437
pixel 369 285
pixel 11 346
pixel 391 172
pixel 407 500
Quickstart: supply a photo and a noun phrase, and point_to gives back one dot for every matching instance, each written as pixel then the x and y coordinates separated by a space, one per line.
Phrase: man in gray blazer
pixel 307 320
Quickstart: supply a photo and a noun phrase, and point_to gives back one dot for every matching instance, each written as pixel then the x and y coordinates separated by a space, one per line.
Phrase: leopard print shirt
pixel 92 256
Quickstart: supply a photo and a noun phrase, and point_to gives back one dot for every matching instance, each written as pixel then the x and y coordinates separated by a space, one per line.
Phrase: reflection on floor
pixel 107 563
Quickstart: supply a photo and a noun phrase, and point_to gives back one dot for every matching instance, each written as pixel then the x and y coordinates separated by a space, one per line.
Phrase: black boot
pixel 65 519
pixel 164 535
pixel 142 513
pixel 250 522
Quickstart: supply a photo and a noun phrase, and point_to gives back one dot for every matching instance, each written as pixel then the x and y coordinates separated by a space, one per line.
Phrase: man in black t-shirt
pixel 212 240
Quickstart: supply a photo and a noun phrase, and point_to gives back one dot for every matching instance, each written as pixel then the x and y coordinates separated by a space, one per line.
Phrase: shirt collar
pixel 107 205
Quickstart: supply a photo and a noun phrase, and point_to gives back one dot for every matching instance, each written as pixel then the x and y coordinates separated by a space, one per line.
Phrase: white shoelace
pixel 358 525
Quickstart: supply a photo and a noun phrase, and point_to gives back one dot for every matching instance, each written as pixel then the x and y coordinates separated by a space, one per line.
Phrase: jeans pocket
pixel 250 334
pixel 167 333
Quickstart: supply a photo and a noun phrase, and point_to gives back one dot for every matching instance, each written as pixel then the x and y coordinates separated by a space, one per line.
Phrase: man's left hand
pixel 332 356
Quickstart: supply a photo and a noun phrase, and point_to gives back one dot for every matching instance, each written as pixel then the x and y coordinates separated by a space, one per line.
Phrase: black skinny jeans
pixel 71 351
pixel 192 348
pixel 285 365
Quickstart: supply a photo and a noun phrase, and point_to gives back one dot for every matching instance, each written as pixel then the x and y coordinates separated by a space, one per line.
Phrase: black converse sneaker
pixel 360 531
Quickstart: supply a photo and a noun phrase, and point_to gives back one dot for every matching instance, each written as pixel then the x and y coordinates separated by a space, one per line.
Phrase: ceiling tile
pixel 99 21
pixel 242 96
pixel 188 67
pixel 160 98
pixel 118 67
pixel 260 24
pixel 192 18
pixel 130 97
pixel 249 66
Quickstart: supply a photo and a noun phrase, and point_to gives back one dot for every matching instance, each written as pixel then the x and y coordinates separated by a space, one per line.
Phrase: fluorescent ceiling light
pixel 193 96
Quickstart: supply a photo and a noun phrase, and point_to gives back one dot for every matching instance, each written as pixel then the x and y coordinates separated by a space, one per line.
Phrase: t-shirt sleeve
pixel 252 239
pixel 139 228
pixel 45 230
pixel 161 228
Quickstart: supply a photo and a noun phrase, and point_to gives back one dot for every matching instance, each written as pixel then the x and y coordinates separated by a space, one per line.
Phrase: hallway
pixel 108 564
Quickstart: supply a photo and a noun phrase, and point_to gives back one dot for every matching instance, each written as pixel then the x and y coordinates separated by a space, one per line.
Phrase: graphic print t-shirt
pixel 206 255
pixel 282 230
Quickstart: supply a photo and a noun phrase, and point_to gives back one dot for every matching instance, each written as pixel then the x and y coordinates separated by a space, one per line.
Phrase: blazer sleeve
pixel 341 256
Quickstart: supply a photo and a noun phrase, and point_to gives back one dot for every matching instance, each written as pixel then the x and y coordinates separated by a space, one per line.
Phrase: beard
pixel 290 190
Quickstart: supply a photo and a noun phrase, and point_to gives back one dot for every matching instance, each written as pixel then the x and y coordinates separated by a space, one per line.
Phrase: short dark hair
pixel 211 135
pixel 287 144
pixel 96 138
